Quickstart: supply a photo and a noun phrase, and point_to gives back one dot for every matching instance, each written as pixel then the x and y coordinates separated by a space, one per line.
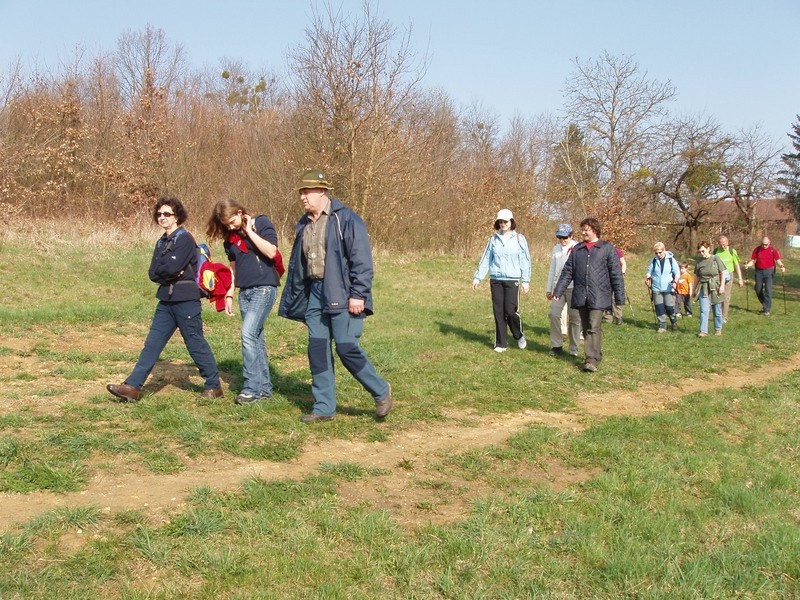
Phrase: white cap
pixel 504 215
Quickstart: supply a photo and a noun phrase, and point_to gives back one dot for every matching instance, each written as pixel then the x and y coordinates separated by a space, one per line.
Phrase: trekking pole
pixel 783 283
pixel 747 289
pixel 630 304
pixel 652 304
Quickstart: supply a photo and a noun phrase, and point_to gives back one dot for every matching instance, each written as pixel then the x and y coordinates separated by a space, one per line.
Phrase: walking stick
pixel 747 289
pixel 783 283
pixel 652 304
pixel 628 300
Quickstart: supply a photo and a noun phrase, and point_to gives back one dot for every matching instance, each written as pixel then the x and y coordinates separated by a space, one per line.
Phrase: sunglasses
pixel 165 214
pixel 561 237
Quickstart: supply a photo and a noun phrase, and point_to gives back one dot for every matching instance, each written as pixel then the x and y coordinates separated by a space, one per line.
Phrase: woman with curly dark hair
pixel 173 268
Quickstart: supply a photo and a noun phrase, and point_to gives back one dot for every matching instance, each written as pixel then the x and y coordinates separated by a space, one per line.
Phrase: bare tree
pixel 750 173
pixel 618 108
pixel 147 60
pixel 686 173
pixel 10 82
pixel 355 80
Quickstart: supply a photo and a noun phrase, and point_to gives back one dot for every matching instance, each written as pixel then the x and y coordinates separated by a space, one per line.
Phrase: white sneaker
pixel 499 349
pixel 522 343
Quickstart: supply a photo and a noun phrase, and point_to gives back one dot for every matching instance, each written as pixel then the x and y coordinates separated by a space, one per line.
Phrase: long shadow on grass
pixel 531 333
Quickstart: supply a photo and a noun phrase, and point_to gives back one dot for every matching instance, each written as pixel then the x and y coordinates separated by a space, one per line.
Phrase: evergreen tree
pixel 790 176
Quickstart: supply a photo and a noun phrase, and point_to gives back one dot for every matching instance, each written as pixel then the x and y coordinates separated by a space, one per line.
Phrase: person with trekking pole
pixel 766 259
pixel 662 275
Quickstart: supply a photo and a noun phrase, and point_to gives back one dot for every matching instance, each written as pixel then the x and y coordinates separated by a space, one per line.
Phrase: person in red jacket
pixel 765 258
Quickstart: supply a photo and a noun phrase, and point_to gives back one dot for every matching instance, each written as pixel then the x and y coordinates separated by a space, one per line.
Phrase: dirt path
pixel 409 456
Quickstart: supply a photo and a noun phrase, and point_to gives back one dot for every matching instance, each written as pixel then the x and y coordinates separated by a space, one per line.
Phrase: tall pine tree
pixel 790 176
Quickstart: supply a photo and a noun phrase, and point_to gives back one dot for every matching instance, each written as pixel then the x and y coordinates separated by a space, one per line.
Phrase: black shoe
pixel 556 351
pixel 314 418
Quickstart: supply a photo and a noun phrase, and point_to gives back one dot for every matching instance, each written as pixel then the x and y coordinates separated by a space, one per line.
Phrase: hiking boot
pixel 766 314
pixel 125 392
pixel 589 367
pixel 246 399
pixel 702 334
pixel 556 351
pixel 314 418
pixel 383 407
pixel 212 393
pixel 718 332
pixel 522 343
pixel 662 330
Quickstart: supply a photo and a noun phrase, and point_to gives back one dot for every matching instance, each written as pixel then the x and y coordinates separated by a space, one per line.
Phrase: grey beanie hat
pixel 564 230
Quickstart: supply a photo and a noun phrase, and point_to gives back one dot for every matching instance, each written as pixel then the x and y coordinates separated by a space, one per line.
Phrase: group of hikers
pixel 328 288
pixel 586 285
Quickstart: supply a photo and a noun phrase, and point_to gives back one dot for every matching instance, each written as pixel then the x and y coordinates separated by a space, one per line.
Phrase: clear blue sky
pixel 734 60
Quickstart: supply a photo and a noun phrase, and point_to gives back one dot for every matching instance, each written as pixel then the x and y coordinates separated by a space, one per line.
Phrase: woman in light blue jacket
pixel 507 260
pixel 662 276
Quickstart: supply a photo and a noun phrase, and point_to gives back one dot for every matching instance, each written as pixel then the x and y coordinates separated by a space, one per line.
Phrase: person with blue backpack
pixel 661 278
pixel 174 268
pixel 251 244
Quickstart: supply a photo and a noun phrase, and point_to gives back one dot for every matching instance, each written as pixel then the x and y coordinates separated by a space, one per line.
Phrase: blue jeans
pixel 344 330
pixel 764 287
pixel 186 317
pixel 705 305
pixel 255 303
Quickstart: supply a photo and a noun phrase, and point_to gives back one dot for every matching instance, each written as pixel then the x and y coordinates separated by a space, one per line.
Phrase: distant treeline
pixel 109 133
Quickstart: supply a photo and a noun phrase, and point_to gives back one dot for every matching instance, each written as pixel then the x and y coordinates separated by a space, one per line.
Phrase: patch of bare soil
pixel 416 488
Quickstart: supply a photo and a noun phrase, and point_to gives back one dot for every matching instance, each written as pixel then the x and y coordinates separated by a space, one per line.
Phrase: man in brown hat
pixel 329 288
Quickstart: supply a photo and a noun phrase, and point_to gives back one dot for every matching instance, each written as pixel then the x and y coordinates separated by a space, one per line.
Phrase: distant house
pixel 770 220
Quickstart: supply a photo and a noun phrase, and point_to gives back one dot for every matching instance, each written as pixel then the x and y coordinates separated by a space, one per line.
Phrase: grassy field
pixel 672 472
